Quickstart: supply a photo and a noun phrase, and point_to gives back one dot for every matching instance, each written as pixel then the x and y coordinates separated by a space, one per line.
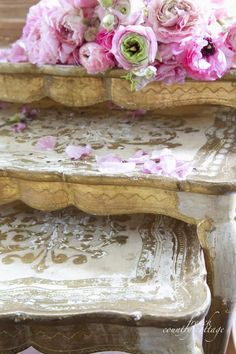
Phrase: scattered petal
pixel 78 152
pixel 19 127
pixel 184 169
pixel 151 167
pixel 140 157
pixel 28 112
pixel 138 113
pixel 46 143
pixel 113 164
pixel 4 105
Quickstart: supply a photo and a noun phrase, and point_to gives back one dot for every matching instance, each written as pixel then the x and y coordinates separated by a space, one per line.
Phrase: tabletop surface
pixel 203 135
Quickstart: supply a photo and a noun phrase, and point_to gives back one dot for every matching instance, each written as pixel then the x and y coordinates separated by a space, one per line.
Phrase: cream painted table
pixel 73 282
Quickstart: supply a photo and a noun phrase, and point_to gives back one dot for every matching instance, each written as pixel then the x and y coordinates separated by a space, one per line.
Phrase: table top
pixel 146 269
pixel 203 135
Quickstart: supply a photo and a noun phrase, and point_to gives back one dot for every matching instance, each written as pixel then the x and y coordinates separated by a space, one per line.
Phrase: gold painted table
pixel 75 283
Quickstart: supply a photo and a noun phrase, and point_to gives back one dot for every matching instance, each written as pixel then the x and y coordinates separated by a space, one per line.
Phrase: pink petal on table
pixel 140 157
pixel 108 159
pixel 168 165
pixel 151 167
pixel 4 105
pixel 78 152
pixel 46 143
pixel 113 164
pixel 138 113
pixel 183 169
pixel 28 112
pixel 19 127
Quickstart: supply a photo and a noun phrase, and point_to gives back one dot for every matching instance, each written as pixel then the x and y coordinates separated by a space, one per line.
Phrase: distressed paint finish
pixel 205 200
pixel 118 282
pixel 71 86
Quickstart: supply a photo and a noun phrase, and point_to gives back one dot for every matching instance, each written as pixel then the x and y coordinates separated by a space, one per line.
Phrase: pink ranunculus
pixel 134 46
pixel 169 68
pixel 95 58
pixel 104 38
pixel 128 12
pixel 171 73
pixel 205 58
pixel 174 20
pixel 231 43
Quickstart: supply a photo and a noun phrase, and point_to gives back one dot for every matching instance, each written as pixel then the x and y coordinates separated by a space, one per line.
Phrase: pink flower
pixel 78 152
pixel 174 20
pixel 169 68
pixel 134 46
pixel 39 37
pixel 171 73
pixel 53 30
pixel 46 143
pixel 128 12
pixel 205 59
pixel 231 43
pixel 104 38
pixel 112 164
pixel 19 127
pixel 95 58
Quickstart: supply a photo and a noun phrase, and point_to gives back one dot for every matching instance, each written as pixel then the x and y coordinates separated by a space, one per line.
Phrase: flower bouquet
pixel 153 40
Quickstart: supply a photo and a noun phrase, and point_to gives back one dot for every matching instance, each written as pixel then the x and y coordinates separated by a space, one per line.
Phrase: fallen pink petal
pixel 138 113
pixel 78 152
pixel 19 127
pixel 151 167
pixel 113 164
pixel 46 143
pixel 140 157
pixel 28 112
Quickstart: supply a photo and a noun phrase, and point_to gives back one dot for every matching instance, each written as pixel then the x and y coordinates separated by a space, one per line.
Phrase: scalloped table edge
pixel 71 86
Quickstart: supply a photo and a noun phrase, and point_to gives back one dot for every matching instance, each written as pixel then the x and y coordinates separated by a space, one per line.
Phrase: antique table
pixel 93 261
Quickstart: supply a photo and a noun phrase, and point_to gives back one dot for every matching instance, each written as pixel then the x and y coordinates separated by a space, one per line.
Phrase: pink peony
pixel 39 37
pixel 134 46
pixel 52 32
pixel 95 58
pixel 174 20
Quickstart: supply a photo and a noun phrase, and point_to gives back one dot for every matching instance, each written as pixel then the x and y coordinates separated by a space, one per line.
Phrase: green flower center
pixel 134 48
